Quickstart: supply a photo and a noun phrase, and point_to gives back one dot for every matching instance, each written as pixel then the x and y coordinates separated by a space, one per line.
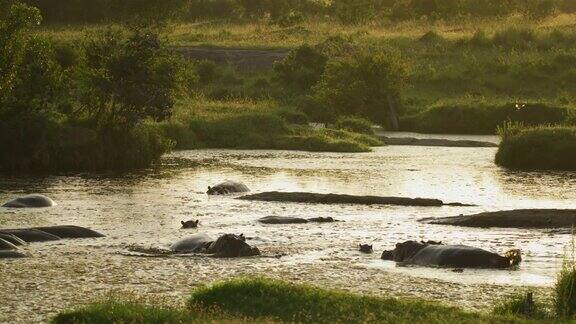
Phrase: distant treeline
pixel 287 11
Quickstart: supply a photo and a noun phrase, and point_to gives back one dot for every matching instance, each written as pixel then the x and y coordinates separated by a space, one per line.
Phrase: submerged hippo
pixel 226 246
pixel 9 250
pixel 227 187
pixel 190 223
pixel 47 233
pixel 294 220
pixel 30 201
pixel 459 256
pixel 366 248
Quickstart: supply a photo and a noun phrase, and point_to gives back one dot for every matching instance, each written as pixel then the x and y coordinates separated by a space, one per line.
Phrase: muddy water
pixel 145 209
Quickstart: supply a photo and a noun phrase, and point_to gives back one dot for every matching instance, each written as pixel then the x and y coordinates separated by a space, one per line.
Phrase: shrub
pixel 367 85
pixel 481 118
pixel 543 148
pixel 293 116
pixel 565 288
pixel 519 305
pixel 354 11
pixel 301 68
pixel 354 124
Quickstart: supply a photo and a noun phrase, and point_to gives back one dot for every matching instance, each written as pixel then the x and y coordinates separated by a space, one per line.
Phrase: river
pixel 145 209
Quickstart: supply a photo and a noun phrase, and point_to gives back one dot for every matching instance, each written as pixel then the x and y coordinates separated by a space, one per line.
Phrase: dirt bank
pixel 434 142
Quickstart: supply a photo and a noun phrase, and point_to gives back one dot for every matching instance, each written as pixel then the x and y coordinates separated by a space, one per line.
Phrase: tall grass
pixel 565 288
pixel 540 148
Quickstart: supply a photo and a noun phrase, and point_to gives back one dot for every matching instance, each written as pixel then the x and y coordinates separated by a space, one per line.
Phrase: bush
pixel 293 116
pixel 481 118
pixel 542 148
pixel 301 68
pixel 367 85
pixel 354 11
pixel 354 124
pixel 520 305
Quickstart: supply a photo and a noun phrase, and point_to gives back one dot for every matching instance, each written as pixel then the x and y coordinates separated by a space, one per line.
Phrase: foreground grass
pixel 537 148
pixel 266 300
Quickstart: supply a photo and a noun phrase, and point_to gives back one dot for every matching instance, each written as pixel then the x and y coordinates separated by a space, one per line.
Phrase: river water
pixel 145 209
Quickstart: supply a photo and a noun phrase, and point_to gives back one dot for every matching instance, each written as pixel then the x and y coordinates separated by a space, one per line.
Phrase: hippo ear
pixel 182 222
pixel 370 245
pixel 197 221
pixel 398 245
pixel 209 188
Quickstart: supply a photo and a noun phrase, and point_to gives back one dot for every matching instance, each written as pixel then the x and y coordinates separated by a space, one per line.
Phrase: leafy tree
pixel 366 84
pixel 129 78
pixel 302 67
pixel 13 42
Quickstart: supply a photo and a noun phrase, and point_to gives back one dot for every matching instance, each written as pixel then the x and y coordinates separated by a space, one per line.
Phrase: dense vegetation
pixel 292 11
pixel 265 300
pixel 537 148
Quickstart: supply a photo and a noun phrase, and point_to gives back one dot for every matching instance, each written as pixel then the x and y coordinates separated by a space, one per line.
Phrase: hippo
pixel 9 250
pixel 458 256
pixel 12 239
pixel 294 220
pixel 226 246
pixel 190 224
pixel 366 248
pixel 48 233
pixel 30 201
pixel 227 187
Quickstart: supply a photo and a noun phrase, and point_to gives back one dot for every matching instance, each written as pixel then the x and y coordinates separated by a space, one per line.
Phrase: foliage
pixel 354 124
pixel 565 288
pixel 366 85
pixel 543 147
pixel 129 78
pixel 520 304
pixel 301 68
pixel 481 118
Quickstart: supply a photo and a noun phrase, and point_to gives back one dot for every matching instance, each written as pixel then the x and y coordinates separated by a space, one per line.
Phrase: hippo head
pixel 190 224
pixel 403 251
pixel 218 190
pixel 231 245
pixel 366 248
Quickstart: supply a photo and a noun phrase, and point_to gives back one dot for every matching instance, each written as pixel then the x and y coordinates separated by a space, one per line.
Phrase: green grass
pixel 537 148
pixel 267 300
pixel 254 124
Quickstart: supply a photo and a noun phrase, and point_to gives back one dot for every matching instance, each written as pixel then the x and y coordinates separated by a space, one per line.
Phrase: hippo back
pixel 12 239
pixel 194 243
pixel 460 256
pixel 282 220
pixel 5 254
pixel 230 245
pixel 5 245
pixel 70 231
pixel 228 187
pixel 31 235
pixel 30 201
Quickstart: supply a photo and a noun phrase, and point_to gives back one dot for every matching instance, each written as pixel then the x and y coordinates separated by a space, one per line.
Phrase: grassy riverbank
pixel 265 300
pixel 537 148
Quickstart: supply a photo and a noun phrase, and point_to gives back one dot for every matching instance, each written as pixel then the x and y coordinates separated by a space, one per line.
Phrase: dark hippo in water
pixel 294 220
pixel 30 201
pixel 9 250
pixel 226 246
pixel 459 256
pixel 48 233
pixel 190 224
pixel 366 248
pixel 227 187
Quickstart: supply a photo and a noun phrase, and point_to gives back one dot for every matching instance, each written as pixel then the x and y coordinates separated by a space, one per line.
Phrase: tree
pixel 13 42
pixel 366 84
pixel 128 78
